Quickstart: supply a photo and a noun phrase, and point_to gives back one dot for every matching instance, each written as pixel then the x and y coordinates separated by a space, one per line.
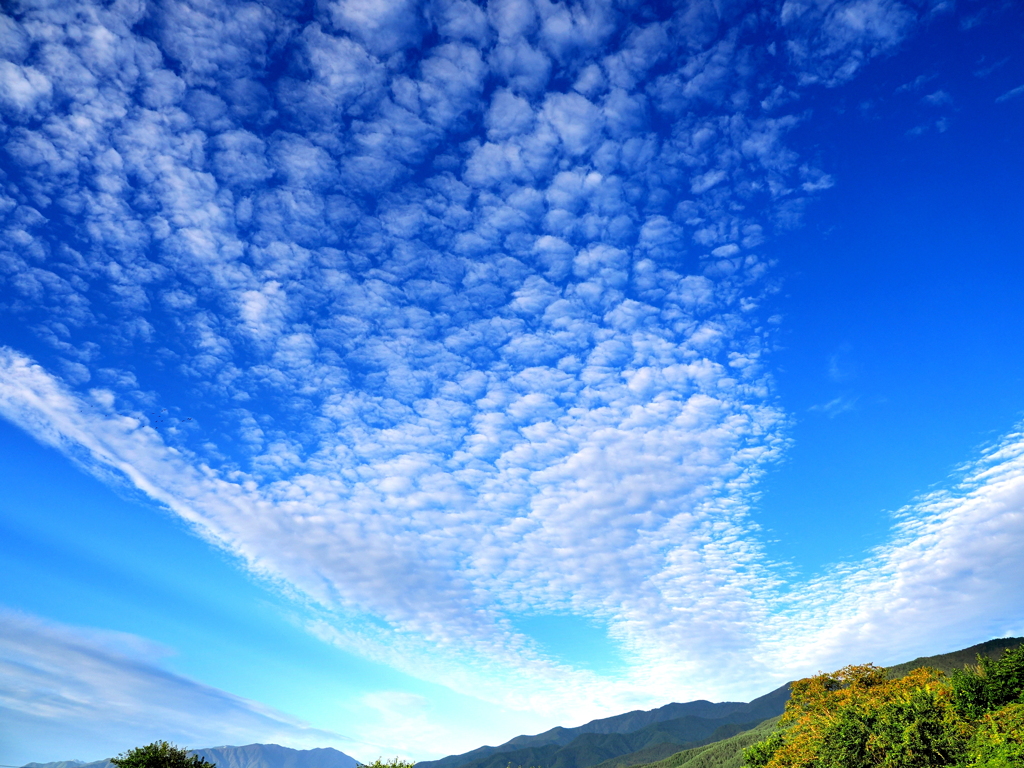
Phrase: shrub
pixel 858 718
pixel 394 762
pixel 160 754
pixel 991 684
pixel 999 740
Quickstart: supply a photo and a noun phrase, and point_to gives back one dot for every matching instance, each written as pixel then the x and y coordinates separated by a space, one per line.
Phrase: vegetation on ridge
pixel 395 762
pixel 728 753
pixel 860 717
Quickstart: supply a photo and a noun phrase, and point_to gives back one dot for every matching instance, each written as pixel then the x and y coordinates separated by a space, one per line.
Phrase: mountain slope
pixel 274 756
pixel 947 662
pixel 591 748
pixel 624 723
pixel 647 738
pixel 729 752
pixel 600 740
pixel 249 756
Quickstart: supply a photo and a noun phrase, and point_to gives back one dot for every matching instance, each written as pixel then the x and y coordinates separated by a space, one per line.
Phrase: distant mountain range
pixel 672 735
pixel 649 735
pixel 249 756
pixel 728 753
pixel 697 734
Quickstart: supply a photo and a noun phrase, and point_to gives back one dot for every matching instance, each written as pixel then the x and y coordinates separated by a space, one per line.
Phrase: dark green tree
pixel 160 754
pixel 760 754
pixel 993 683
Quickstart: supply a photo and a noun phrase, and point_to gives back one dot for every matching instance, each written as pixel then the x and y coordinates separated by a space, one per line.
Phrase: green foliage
pixel 394 762
pixel 758 755
pixel 160 754
pixel 845 742
pixel 859 717
pixel 991 684
pixel 999 739
pixel 970 696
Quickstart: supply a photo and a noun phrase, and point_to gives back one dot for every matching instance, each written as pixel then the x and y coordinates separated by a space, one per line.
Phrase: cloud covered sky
pixel 456 329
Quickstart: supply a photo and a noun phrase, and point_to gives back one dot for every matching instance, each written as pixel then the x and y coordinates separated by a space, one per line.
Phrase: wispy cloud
pixel 841 366
pixel 917 83
pixel 836 406
pixel 938 98
pixel 987 68
pixel 73 690
pixel 1010 94
pixel 949 575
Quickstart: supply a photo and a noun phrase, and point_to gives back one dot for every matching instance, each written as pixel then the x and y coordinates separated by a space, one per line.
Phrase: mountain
pixel 947 662
pixel 656 733
pixel 655 737
pixel 249 756
pixel 697 734
pixel 625 723
pixel 273 756
pixel 728 753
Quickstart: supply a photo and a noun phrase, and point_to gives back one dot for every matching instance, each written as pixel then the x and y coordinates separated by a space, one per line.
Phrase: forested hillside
pixel 522 749
pixel 644 736
pixel 727 753
pixel 697 734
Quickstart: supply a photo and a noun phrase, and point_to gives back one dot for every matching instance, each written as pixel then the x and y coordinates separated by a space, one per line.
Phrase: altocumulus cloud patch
pixel 433 313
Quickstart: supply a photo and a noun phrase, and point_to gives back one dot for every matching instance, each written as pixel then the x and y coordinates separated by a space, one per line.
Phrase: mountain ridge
pixel 728 753
pixel 247 756
pixel 624 723
pixel 676 735
pixel 603 739
pixel 947 662
pixel 568 748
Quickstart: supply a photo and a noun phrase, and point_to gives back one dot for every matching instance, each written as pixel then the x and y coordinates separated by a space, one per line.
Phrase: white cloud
pixel 938 98
pixel 576 121
pixel 476 554
pixel 22 87
pixel 948 576
pixel 74 690
pixel 384 26
pixel 509 115
pixel 240 159
pixel 836 406
pixel 1012 93
pixel 830 41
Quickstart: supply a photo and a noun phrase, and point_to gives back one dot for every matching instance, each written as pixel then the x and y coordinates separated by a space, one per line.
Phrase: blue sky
pixel 402 377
